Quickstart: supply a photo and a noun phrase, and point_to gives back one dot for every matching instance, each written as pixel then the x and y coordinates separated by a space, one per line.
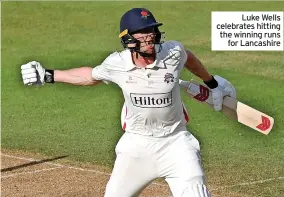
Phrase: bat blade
pixel 254 118
pixel 232 108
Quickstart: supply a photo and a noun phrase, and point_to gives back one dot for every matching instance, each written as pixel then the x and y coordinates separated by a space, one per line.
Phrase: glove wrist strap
pixel 49 76
pixel 212 83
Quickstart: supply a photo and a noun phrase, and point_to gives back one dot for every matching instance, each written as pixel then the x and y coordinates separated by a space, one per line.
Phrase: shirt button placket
pixel 148 74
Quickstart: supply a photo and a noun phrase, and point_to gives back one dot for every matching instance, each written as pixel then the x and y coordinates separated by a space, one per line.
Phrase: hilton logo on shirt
pixel 151 100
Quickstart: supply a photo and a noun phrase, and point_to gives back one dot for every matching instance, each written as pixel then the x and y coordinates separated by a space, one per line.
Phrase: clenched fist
pixel 34 74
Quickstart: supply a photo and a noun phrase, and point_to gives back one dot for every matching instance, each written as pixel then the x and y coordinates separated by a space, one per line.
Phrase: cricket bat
pixel 231 107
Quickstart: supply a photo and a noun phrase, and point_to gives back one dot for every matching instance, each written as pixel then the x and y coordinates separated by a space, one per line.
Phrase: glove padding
pixel 33 73
pixel 225 88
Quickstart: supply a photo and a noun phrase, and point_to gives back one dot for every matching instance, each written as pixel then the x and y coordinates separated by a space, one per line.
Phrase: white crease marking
pixel 159 184
pixel 29 172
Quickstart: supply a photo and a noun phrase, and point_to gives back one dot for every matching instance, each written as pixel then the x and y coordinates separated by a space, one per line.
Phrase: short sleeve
pixel 105 71
pixel 179 50
pixel 102 72
pixel 183 53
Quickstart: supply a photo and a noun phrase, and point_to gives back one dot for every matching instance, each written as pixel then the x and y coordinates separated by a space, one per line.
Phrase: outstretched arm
pixel 33 73
pixel 76 76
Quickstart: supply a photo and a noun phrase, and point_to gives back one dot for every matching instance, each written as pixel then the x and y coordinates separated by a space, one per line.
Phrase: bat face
pixel 254 118
pixel 232 108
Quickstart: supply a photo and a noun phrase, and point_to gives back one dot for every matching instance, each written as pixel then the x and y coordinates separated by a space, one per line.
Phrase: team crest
pixel 144 14
pixel 169 78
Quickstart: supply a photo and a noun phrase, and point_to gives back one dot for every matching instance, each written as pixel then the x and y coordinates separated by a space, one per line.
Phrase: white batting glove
pixel 225 88
pixel 33 73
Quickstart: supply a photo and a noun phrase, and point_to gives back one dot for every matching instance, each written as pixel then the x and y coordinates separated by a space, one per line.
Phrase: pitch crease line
pixel 70 167
pixel 164 185
pixel 29 172
pixel 249 183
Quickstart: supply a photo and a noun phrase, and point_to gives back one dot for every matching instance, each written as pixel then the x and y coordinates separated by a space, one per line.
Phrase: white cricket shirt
pixel 153 104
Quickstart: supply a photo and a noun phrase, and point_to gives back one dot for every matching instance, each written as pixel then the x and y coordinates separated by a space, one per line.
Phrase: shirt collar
pixel 130 66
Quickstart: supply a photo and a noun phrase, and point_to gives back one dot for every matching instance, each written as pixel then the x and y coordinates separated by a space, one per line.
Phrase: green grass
pixel 84 122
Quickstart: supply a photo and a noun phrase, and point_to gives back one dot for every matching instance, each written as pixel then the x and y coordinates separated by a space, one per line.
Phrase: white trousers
pixel 141 159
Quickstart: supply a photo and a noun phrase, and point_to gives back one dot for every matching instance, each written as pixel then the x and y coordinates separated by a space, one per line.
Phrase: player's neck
pixel 141 61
